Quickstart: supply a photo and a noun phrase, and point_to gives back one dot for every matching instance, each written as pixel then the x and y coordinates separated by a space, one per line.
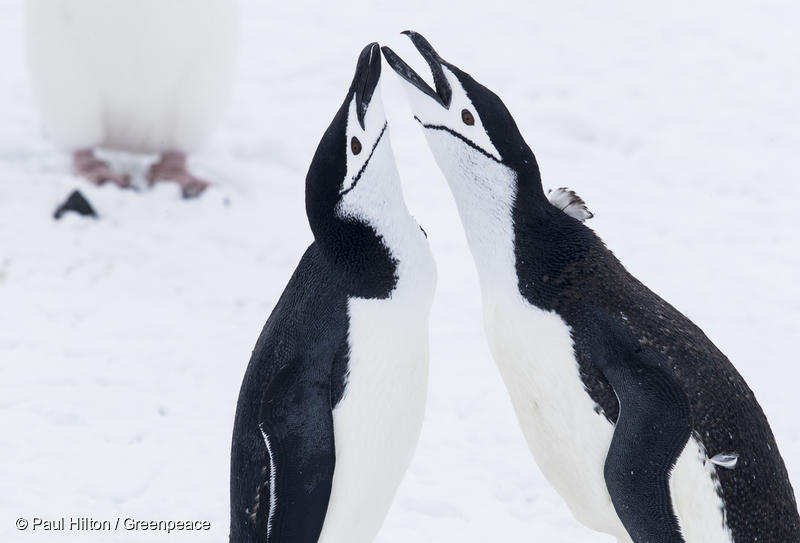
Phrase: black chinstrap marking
pixel 366 162
pixel 459 136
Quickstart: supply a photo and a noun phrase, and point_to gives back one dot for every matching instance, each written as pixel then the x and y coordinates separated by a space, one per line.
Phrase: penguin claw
pixel 193 187
pixel 172 167
pixel 570 203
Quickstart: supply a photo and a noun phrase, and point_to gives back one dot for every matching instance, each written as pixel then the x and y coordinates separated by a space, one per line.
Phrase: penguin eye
pixel 467 117
pixel 355 145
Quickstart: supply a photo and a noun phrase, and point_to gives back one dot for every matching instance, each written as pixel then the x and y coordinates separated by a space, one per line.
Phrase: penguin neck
pixel 377 202
pixel 369 235
pixel 359 258
pixel 487 193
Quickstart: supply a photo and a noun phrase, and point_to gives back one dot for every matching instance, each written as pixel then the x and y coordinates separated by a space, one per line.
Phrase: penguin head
pixel 352 186
pixel 466 124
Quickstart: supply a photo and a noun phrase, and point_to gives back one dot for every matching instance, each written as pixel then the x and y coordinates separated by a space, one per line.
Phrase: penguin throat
pixel 485 192
pixel 360 258
pixel 377 203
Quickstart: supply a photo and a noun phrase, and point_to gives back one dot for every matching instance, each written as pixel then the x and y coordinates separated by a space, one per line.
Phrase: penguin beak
pixel 368 73
pixel 443 93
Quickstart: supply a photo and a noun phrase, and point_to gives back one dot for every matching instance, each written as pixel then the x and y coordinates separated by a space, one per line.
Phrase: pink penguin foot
pixel 97 171
pixel 172 167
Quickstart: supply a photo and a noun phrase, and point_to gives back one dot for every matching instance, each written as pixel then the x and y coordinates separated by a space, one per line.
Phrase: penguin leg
pixel 653 427
pixel 97 171
pixel 172 167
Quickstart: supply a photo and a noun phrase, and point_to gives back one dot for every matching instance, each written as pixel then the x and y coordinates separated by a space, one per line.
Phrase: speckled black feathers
pixel 289 378
pixel 563 266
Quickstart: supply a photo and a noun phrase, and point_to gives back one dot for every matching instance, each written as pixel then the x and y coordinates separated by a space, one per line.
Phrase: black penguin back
pixel 563 266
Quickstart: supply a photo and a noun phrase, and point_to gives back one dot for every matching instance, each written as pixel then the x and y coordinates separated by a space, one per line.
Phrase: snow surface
pixel 123 340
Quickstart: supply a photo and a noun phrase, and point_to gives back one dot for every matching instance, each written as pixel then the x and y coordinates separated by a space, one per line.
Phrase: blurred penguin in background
pixel 142 76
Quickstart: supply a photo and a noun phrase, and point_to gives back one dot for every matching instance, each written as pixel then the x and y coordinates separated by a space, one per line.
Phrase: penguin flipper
pixel 653 427
pixel 296 424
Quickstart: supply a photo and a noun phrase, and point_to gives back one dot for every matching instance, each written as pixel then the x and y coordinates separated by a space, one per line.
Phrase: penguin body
pixel 139 76
pixel 640 423
pixel 332 401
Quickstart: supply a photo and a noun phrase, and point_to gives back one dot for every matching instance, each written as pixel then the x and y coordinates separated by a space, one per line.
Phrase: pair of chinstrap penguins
pixel 640 423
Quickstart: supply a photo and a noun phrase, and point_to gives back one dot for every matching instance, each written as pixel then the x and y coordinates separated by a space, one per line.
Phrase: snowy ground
pixel 123 341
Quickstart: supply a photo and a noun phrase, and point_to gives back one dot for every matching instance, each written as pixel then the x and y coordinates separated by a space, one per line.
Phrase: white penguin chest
pixel 378 421
pixel 533 350
pixel 569 439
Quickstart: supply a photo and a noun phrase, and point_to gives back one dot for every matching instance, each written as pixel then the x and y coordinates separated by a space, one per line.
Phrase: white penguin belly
pixel 569 439
pixel 149 75
pixel 378 421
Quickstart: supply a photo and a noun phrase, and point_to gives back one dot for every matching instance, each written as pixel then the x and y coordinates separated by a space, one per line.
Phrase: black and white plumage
pixel 634 416
pixel 332 401
pixel 570 203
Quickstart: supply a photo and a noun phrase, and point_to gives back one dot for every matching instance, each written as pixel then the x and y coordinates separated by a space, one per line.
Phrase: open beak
pixel 443 93
pixel 368 73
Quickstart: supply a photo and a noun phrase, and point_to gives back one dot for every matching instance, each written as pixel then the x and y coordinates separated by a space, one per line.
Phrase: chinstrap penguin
pixel 640 423
pixel 332 401
pixel 140 76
